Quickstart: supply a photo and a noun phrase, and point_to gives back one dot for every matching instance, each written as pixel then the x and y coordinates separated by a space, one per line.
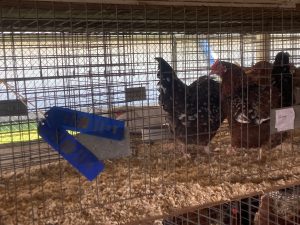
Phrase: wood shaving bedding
pixel 154 182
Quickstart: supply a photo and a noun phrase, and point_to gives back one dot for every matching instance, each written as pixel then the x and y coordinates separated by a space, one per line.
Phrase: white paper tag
pixel 285 119
pixel 104 148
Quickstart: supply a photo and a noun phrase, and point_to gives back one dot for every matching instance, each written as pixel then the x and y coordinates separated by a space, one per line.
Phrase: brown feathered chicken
pixel 296 83
pixel 260 73
pixel 296 76
pixel 278 75
pixel 246 106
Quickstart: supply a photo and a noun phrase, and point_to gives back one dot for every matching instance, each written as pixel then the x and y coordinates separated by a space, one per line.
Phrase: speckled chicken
pixel 194 113
pixel 273 211
pixel 246 106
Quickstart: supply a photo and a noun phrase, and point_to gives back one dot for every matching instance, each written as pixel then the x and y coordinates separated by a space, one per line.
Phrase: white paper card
pixel 285 119
pixel 104 148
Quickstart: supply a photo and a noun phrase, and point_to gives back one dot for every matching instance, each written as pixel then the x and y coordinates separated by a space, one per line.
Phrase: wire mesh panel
pixel 199 91
pixel 276 207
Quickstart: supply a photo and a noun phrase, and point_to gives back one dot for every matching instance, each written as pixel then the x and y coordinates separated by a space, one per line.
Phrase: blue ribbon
pixel 53 130
pixel 86 123
pixel 69 148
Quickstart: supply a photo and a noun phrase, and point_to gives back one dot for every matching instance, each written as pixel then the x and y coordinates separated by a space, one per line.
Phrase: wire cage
pixel 103 60
pixel 274 207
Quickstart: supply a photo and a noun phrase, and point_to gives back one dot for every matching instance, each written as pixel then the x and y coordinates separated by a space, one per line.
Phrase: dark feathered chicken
pixel 282 78
pixel 193 111
pixel 246 106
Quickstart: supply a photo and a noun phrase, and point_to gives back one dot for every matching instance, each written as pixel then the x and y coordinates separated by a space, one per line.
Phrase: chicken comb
pixel 215 65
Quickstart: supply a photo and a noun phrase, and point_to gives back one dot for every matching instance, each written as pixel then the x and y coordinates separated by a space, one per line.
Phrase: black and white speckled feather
pixel 247 109
pixel 193 111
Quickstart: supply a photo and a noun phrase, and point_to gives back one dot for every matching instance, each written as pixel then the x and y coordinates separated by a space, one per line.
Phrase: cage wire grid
pixel 275 207
pixel 85 57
